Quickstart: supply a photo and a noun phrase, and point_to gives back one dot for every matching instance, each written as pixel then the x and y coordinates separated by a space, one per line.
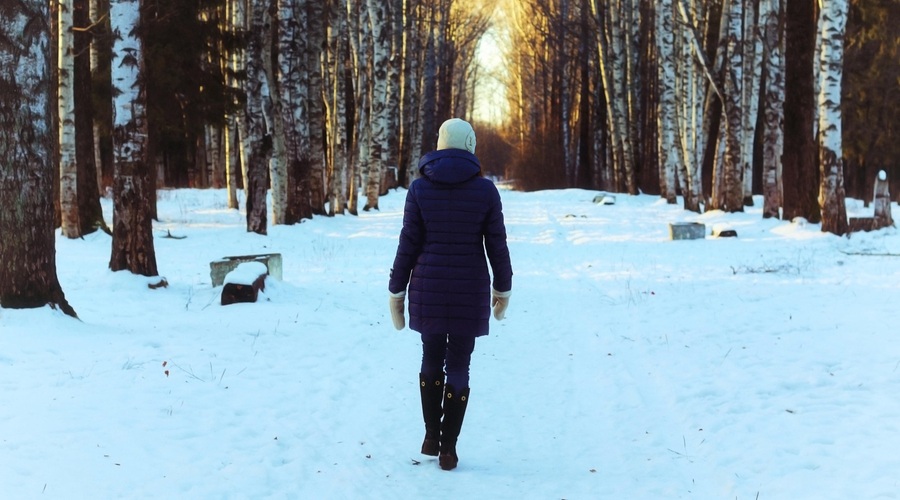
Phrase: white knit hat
pixel 456 134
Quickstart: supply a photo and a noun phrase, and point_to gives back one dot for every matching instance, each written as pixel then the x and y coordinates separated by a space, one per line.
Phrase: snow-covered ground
pixel 629 366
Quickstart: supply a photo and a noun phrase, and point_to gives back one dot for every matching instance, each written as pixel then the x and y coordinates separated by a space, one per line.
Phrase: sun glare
pixel 490 89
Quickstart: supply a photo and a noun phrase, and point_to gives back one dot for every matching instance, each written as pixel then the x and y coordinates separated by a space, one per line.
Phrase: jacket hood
pixel 449 166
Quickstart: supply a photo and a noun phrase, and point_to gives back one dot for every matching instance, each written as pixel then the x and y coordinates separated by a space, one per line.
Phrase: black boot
pixel 431 391
pixel 455 403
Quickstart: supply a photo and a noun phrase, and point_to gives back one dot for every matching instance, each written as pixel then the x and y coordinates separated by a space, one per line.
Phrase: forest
pixel 324 105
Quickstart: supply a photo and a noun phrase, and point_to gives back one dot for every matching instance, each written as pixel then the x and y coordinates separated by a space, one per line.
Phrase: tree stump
pixel 244 283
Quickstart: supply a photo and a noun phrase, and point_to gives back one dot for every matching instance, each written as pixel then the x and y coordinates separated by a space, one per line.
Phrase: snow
pixel 246 273
pixel 629 366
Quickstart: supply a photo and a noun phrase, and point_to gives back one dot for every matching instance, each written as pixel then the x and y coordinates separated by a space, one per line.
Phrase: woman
pixel 452 218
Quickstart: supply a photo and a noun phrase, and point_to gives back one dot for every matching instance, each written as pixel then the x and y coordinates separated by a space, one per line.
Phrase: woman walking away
pixel 452 218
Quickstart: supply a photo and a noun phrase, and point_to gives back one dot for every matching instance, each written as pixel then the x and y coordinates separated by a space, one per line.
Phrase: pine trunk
pixel 800 173
pixel 90 213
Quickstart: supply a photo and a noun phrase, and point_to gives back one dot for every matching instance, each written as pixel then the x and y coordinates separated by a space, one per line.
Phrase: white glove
pixel 500 301
pixel 396 303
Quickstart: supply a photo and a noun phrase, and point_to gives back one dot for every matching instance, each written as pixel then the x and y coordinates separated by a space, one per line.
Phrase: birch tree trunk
pixel 28 276
pixel 380 118
pixel 772 17
pixel 394 91
pixel 340 176
pixel 132 246
pixel 752 76
pixel 293 87
pixel 274 110
pixel 691 101
pixel 234 63
pixel 360 140
pixel 833 18
pixel 732 166
pixel 68 168
pixel 316 31
pixel 613 63
pixel 666 115
pixel 256 138
pixel 411 146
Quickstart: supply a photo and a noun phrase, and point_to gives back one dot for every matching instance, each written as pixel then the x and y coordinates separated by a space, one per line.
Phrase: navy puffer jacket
pixel 452 218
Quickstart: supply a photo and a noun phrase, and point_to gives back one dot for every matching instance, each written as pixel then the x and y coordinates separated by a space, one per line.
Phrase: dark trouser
pixel 450 353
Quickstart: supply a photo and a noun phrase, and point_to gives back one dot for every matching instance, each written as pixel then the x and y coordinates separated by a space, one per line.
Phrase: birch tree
pixel 316 31
pixel 614 70
pixel 256 139
pixel 293 89
pixel 339 173
pixel 132 245
pixel 28 276
pixel 359 144
pixel 693 79
pixel 752 78
pixel 68 168
pixel 833 20
pixel 772 20
pixel 733 112
pixel 380 116
pixel 666 115
pixel 277 86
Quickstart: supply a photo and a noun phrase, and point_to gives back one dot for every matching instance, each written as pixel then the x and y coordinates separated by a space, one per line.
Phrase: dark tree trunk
pixel 90 214
pixel 800 171
pixel 27 250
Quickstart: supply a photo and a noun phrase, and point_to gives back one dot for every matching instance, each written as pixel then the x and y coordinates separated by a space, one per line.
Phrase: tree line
pixel 325 104
pixel 714 101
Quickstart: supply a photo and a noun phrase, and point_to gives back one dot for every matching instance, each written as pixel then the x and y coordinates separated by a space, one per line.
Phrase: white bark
pixel 129 109
pixel 132 246
pixel 694 76
pixel 833 20
pixel 733 112
pixel 752 76
pixel 334 86
pixel 257 141
pixel 613 62
pixel 274 110
pixel 666 113
pixel 68 171
pixel 380 117
pixel 771 17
